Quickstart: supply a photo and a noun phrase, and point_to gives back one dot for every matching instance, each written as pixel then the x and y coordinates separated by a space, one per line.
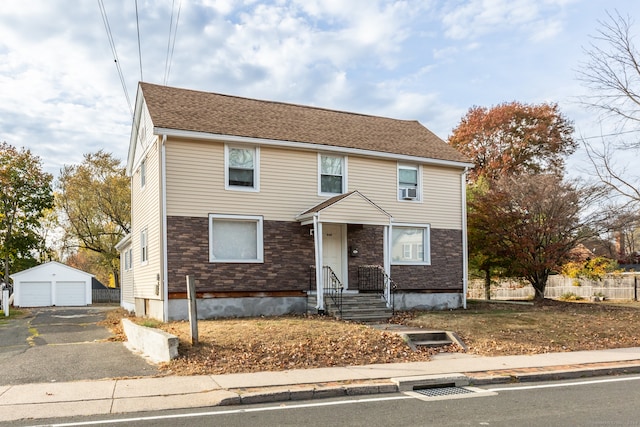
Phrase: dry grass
pixel 505 329
pixel 271 344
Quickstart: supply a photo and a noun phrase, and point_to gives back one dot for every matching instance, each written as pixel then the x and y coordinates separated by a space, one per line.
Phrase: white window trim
pixel 143 173
pixel 345 185
pixel 144 247
pixel 426 243
pixel 258 219
pixel 256 168
pixel 418 199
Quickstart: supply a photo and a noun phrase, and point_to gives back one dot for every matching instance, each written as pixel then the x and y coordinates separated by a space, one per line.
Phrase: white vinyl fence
pixel 622 286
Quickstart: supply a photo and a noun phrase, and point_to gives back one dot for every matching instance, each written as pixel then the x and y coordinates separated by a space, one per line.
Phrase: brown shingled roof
pixel 190 110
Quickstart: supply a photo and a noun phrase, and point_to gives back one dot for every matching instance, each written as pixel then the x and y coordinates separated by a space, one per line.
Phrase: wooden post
pixel 193 309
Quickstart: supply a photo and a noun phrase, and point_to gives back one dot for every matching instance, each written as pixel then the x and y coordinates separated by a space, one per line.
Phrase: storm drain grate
pixel 443 391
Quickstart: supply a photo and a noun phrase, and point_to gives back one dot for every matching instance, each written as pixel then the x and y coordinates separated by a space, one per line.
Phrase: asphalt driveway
pixel 56 344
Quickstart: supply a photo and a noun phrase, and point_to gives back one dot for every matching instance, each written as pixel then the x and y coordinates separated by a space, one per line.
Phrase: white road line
pixel 227 412
pixel 565 384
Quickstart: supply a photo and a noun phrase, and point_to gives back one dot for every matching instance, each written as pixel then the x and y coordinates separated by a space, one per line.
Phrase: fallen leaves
pixel 271 344
pixel 280 343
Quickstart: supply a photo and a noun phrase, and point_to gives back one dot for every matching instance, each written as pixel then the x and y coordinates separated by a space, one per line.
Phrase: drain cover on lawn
pixel 443 391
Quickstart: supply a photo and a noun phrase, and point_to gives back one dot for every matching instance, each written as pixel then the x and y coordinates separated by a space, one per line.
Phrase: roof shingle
pixel 189 110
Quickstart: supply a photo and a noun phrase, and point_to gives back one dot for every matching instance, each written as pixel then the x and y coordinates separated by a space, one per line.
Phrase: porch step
pixel 365 308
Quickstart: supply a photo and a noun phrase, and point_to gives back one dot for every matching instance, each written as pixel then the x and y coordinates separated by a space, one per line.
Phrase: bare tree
pixel 611 73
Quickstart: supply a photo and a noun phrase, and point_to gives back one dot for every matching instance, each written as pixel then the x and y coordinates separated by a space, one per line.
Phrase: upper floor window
pixel 241 167
pixel 144 246
pixel 128 259
pixel 408 182
pixel 143 173
pixel 332 174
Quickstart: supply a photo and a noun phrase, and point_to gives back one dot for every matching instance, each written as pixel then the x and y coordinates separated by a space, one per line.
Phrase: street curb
pixel 337 389
pixel 478 378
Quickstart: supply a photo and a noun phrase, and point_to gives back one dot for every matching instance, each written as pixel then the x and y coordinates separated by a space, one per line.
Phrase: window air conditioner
pixel 409 193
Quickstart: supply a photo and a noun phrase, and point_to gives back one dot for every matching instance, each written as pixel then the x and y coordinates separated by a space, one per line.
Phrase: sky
pixel 428 60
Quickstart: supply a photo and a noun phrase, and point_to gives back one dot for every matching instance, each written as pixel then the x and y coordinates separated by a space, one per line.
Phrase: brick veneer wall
pixel 370 243
pixel 445 271
pixel 288 253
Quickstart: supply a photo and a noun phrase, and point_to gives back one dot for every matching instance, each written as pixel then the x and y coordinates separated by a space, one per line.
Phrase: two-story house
pixel 263 203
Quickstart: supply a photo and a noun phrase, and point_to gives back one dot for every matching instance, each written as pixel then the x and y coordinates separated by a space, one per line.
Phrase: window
pixel 332 174
pixel 128 260
pixel 408 182
pixel 241 168
pixel 143 173
pixel 235 238
pixel 144 248
pixel 408 244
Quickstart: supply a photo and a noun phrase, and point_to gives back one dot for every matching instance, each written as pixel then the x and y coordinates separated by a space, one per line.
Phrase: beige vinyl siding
pixel 354 209
pixel 195 182
pixel 146 204
pixel 441 192
pixel 289 185
pixel 145 136
pixel 126 277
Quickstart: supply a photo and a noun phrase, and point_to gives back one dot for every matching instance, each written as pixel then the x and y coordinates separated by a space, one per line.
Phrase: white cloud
pixel 478 18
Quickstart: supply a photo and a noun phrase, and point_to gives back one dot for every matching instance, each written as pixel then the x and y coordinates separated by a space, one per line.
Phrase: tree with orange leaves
pixel 512 138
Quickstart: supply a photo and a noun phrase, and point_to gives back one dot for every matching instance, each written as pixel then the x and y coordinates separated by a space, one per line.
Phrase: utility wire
pixel 171 45
pixel 139 48
pixel 112 44
pixel 610 134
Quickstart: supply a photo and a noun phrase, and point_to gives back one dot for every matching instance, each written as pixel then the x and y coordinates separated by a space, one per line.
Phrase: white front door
pixel 333 253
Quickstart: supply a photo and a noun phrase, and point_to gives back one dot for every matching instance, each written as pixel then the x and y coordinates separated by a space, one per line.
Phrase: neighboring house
pixel 51 283
pixel 254 198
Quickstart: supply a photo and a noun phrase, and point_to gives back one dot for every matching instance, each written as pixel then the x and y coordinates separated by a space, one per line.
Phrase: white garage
pixel 50 284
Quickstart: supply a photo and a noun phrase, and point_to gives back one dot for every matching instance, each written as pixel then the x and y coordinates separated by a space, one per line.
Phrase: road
pixel 610 401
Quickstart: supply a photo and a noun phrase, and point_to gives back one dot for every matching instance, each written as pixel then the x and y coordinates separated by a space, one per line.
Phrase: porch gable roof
pixel 349 208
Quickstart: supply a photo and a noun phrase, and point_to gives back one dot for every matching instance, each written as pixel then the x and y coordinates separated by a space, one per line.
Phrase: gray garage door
pixel 35 294
pixel 70 293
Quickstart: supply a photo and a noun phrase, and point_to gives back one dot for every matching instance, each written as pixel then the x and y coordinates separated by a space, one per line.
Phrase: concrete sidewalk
pixel 50 400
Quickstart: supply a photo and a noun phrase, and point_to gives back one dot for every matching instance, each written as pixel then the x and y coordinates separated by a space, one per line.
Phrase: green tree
pixel 26 194
pixel 482 255
pixel 95 199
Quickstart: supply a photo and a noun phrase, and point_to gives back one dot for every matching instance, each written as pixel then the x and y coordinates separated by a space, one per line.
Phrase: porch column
pixel 317 240
pixel 386 253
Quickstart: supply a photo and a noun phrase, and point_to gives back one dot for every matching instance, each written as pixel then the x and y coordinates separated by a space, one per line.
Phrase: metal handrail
pixel 331 286
pixel 374 278
pixel 334 288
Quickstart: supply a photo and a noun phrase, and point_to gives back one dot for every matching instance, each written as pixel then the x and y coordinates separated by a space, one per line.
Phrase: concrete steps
pixel 367 308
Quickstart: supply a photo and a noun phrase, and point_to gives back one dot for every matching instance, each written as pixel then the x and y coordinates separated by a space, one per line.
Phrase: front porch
pixel 369 303
pixel 351 246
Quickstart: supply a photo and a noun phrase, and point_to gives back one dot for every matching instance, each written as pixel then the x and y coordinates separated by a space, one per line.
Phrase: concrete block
pixel 361 389
pixel 331 391
pixel 266 396
pixel 301 394
pixel 425 381
pixel 158 345
pixel 388 388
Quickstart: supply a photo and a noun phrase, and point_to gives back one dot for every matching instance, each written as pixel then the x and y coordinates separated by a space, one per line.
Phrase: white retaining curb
pixel 157 345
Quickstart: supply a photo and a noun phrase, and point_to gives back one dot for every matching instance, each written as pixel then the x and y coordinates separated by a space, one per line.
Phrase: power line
pixel 171 46
pixel 139 48
pixel 112 44
pixel 610 134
